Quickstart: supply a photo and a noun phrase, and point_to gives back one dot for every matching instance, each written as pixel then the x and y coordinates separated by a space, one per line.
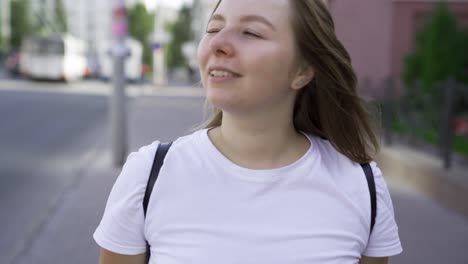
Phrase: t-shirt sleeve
pixel 384 240
pixel 121 229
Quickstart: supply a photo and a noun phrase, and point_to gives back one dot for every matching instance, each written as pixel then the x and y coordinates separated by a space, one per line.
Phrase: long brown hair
pixel 329 106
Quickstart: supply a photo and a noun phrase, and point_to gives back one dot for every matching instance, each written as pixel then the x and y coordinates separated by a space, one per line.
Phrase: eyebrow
pixel 247 18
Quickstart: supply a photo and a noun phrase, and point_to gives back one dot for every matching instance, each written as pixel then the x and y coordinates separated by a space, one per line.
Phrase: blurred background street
pixel 58 160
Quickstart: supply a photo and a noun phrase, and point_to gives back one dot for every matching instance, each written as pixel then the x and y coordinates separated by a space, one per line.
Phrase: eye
pixel 252 34
pixel 212 31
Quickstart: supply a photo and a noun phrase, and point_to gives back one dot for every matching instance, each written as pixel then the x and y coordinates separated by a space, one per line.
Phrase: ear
pixel 304 76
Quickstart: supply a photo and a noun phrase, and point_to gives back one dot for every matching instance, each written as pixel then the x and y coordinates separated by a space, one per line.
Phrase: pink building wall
pixel 364 27
pixel 379 34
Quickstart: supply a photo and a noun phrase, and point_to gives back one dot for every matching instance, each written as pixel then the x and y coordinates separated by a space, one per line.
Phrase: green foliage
pixel 464 56
pixel 181 33
pixel 440 52
pixel 140 27
pixel 460 143
pixel 60 17
pixel 2 44
pixel 19 21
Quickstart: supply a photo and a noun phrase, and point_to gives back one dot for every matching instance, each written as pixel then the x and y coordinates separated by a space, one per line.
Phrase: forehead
pixel 275 11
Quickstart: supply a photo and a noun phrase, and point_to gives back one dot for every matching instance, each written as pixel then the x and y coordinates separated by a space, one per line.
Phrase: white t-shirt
pixel 205 209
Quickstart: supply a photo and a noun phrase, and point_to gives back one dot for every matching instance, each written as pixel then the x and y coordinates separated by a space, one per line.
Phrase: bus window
pixel 56 47
pixel 47 46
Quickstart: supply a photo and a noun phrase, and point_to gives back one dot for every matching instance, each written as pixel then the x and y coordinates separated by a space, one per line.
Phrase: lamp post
pixel 159 69
pixel 160 38
pixel 119 53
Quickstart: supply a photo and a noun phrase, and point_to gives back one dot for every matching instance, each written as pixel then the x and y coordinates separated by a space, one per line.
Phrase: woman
pixel 275 175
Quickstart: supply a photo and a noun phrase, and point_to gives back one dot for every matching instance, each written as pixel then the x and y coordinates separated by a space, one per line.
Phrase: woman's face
pixel 248 56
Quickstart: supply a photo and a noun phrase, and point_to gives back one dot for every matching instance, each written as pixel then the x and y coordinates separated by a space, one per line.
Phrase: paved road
pixel 430 233
pixel 49 135
pixel 45 140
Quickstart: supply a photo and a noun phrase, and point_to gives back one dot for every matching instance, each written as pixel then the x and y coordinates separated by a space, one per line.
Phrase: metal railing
pixel 423 114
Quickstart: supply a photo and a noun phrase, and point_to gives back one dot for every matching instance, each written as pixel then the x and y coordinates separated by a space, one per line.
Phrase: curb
pixel 99 88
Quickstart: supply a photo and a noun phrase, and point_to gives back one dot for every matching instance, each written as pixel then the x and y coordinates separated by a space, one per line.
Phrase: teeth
pixel 218 73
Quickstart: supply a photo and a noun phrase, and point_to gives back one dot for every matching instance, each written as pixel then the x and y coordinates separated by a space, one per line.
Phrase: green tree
pixel 60 17
pixel 20 22
pixel 464 45
pixel 440 52
pixel 140 27
pixel 181 33
pixel 2 44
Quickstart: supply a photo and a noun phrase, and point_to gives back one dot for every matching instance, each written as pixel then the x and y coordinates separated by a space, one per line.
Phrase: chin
pixel 222 101
pixel 216 100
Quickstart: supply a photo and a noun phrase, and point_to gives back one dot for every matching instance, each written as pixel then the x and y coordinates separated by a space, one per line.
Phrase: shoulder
pixel 187 142
pixel 131 182
pixel 138 163
pixel 338 163
pixel 187 150
pixel 349 173
pixel 121 227
pixel 333 161
pixel 130 186
pixel 384 240
pixel 143 158
pixel 349 176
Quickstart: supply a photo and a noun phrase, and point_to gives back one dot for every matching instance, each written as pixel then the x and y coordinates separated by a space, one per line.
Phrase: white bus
pixel 54 57
pixel 133 63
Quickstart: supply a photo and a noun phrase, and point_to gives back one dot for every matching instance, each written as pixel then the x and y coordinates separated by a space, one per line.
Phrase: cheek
pixel 202 59
pixel 202 53
pixel 273 66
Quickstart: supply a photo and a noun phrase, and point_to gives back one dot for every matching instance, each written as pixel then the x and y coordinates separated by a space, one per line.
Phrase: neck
pixel 259 142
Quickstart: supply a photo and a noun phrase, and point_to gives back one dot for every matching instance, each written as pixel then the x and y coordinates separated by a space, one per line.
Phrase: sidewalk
pixel 430 233
pixel 425 174
pixel 430 204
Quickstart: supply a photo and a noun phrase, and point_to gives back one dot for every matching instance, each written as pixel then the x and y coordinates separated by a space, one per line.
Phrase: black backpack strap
pixel 161 152
pixel 373 193
pixel 157 164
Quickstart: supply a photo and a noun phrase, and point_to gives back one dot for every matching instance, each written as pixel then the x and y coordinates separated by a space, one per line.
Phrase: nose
pixel 222 44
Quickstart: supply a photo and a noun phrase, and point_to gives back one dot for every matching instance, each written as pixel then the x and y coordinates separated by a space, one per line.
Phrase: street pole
pixel 118 100
pixel 448 89
pixel 159 70
pixel 160 39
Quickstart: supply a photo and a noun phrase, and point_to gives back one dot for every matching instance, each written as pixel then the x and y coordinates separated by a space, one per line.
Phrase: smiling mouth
pixel 222 74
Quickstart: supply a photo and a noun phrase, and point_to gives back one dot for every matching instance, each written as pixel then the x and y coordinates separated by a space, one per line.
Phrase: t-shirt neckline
pixel 258 175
